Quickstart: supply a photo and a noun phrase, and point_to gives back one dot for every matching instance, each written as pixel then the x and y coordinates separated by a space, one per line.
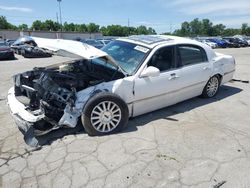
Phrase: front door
pixel 153 93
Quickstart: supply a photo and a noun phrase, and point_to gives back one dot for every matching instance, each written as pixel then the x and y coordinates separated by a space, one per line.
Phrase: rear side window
pixel 190 54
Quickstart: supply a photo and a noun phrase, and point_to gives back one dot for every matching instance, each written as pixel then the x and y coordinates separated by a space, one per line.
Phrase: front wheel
pixel 105 113
pixel 212 87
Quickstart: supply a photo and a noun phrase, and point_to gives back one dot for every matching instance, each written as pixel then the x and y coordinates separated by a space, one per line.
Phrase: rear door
pixel 196 70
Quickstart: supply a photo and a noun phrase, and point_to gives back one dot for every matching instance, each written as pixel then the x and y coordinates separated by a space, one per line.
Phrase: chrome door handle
pixel 173 76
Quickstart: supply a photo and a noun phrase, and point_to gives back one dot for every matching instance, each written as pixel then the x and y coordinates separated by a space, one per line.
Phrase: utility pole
pixel 60 12
pixel 171 26
pixel 128 27
pixel 57 18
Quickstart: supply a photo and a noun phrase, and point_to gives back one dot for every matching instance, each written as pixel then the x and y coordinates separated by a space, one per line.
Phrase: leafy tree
pixel 207 27
pixel 50 25
pixel 132 30
pixel 93 28
pixel 23 27
pixel 195 27
pixel 68 27
pixel 231 32
pixel 37 25
pixel 218 29
pixel 201 28
pixel 104 31
pixel 142 30
pixel 184 31
pixel 244 28
pixel 151 31
pixel 81 28
pixel 4 24
pixel 116 30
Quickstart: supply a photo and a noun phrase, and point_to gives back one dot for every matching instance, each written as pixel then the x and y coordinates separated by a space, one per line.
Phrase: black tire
pixel 205 93
pixel 104 98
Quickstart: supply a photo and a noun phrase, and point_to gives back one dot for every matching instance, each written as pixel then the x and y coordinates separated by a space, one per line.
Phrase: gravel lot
pixel 197 143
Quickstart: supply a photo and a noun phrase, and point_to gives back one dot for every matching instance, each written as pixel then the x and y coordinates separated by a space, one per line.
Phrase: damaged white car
pixel 102 89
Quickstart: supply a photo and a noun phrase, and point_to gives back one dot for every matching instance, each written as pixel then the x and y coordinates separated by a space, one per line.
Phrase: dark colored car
pixel 242 42
pixel 219 42
pixel 238 42
pixel 231 42
pixel 5 51
pixel 34 52
pixel 21 43
pixel 93 42
pixel 9 42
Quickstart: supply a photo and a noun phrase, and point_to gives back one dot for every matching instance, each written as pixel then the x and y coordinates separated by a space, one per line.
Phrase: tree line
pixel 50 25
pixel 193 28
pixel 205 27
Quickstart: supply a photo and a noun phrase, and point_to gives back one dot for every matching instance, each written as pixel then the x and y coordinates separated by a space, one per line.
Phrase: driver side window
pixel 163 59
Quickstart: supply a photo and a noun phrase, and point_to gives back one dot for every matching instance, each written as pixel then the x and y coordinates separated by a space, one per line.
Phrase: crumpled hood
pixel 84 50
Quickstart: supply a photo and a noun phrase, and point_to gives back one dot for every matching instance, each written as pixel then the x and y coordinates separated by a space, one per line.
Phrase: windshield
pixel 129 56
pixel 104 62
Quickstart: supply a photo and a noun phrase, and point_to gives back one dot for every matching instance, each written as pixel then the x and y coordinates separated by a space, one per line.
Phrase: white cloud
pixel 218 8
pixel 185 2
pixel 21 9
pixel 209 7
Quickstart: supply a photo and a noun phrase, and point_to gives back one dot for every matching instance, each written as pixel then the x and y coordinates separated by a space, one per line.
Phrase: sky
pixel 162 15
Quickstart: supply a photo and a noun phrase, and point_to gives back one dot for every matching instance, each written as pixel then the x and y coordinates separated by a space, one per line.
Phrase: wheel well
pixel 219 76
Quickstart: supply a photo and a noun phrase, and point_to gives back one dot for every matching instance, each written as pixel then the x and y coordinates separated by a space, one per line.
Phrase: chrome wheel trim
pixel 106 116
pixel 212 86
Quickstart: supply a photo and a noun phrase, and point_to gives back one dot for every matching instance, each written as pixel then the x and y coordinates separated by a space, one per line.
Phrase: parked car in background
pixel 248 40
pixel 9 42
pixel 6 53
pixel 21 43
pixel 233 42
pixel 219 42
pixel 3 43
pixel 35 52
pixel 209 43
pixel 230 44
pixel 93 42
pixel 129 77
pixel 242 41
pixel 104 41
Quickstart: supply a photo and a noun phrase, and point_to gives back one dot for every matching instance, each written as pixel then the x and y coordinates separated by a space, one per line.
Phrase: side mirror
pixel 150 72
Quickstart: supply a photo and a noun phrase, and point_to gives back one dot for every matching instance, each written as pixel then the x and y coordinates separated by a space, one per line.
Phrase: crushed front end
pixel 44 99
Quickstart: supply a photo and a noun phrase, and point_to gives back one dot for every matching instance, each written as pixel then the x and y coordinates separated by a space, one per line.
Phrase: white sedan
pixel 102 89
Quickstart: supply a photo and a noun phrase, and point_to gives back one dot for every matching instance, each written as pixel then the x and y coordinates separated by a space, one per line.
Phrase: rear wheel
pixel 212 87
pixel 104 113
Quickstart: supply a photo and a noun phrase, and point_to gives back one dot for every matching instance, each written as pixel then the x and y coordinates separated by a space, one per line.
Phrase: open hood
pixel 74 47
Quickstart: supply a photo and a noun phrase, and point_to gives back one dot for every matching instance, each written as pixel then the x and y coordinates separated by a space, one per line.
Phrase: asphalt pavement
pixel 197 143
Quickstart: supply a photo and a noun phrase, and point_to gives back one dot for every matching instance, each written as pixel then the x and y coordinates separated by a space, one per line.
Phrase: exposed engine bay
pixel 47 91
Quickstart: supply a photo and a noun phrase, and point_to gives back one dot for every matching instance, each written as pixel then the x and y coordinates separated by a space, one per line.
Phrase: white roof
pixel 89 52
pixel 151 41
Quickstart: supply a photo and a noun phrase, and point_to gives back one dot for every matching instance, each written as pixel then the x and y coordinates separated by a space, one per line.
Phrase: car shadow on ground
pixel 165 113
pixel 182 107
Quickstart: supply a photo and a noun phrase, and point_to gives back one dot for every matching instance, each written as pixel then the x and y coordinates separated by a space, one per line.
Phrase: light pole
pixel 60 12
